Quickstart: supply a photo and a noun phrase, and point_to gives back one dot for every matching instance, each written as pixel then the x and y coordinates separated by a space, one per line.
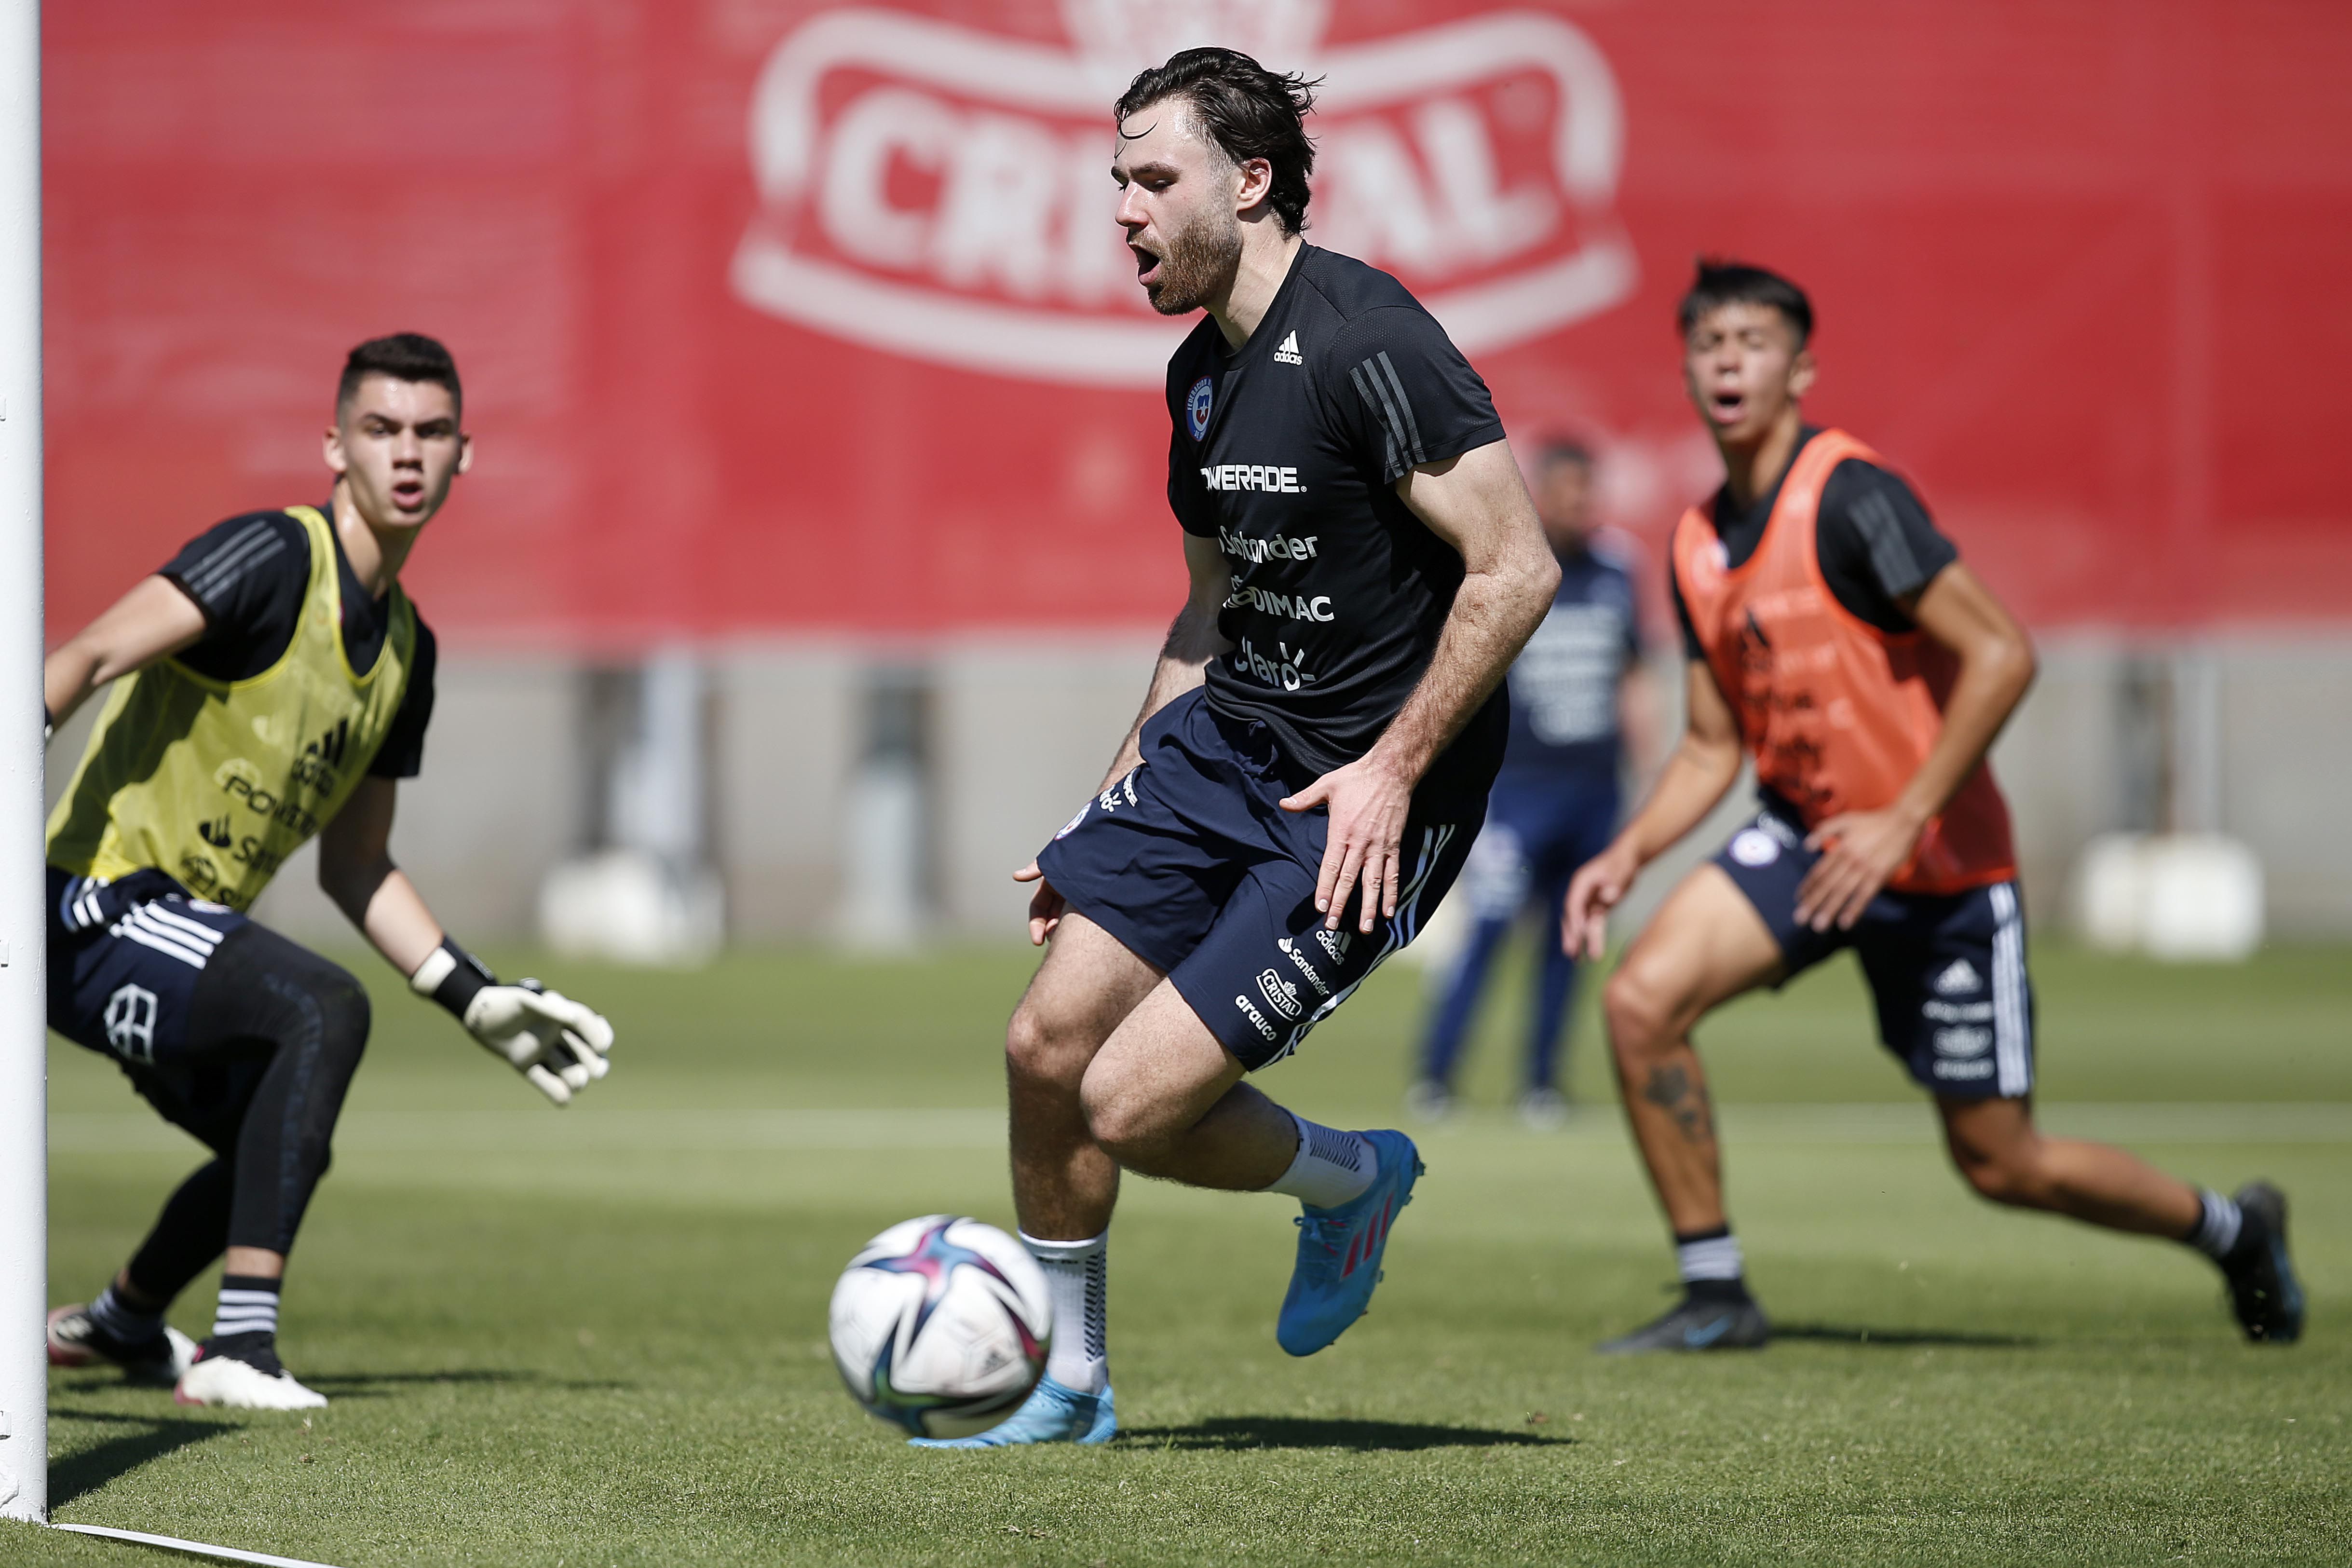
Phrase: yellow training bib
pixel 216 782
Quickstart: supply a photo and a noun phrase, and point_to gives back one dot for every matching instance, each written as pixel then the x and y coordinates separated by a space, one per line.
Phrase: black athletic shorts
pixel 1192 866
pixel 124 959
pixel 1948 970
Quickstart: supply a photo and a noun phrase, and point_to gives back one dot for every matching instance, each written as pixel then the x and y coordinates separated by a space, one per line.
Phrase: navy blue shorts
pixel 124 959
pixel 1948 970
pixel 1191 866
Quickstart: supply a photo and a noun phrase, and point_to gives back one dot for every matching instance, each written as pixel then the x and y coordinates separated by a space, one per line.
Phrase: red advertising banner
pixel 781 316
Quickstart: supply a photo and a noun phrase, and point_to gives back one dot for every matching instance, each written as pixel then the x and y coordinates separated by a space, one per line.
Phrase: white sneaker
pixel 233 1385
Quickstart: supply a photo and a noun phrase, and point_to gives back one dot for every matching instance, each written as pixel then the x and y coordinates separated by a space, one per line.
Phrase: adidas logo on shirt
pixel 1959 980
pixel 1286 352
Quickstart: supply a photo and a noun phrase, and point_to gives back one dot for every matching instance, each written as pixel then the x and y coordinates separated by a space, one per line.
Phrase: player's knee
pixel 1639 1010
pixel 1124 1123
pixel 2012 1176
pixel 345 1014
pixel 1038 1048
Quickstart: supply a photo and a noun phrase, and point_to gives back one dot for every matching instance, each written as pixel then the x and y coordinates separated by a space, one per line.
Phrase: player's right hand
pixel 1046 907
pixel 559 1044
pixel 1592 892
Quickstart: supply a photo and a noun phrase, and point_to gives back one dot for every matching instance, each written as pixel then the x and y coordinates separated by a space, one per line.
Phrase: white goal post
pixel 24 1040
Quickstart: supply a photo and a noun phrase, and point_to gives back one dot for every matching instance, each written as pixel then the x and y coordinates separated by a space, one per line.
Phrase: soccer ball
pixel 940 1324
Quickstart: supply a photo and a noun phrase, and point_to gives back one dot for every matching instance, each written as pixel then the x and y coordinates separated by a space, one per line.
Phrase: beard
pixel 1201 260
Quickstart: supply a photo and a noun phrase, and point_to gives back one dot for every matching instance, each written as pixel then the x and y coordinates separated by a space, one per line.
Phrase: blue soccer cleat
pixel 1053 1414
pixel 1339 1251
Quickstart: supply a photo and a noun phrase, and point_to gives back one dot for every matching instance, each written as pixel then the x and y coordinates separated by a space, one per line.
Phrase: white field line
pixel 532 1130
pixel 194 1548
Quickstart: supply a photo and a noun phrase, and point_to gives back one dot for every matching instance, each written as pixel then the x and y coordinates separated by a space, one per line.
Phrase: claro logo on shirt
pixel 937 190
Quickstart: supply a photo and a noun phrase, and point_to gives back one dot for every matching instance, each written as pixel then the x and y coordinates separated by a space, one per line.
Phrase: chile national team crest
pixel 1196 409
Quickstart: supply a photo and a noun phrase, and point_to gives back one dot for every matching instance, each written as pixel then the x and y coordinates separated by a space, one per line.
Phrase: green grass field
pixel 597 1337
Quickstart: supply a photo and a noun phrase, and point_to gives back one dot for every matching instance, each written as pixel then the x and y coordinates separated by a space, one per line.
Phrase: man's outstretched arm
pixel 557 1044
pixel 1478 504
pixel 1193 641
pixel 154 620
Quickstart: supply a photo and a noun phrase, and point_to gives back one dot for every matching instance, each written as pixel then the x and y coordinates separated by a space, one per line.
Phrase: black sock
pixel 125 1321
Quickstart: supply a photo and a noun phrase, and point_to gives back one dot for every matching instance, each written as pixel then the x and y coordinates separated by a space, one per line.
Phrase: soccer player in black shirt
pixel 270 683
pixel 1312 759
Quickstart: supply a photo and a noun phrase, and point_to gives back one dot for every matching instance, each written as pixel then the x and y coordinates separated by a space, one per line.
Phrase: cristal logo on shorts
pixel 1754 847
pixel 1280 994
pixel 936 190
pixel 1963 1040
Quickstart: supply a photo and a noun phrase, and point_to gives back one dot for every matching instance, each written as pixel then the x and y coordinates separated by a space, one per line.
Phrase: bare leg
pixel 1064 1184
pixel 1706 946
pixel 2005 1157
pixel 1167 1099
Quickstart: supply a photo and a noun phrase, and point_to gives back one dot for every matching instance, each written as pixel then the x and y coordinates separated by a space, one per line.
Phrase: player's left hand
pixel 1860 850
pixel 559 1044
pixel 1369 802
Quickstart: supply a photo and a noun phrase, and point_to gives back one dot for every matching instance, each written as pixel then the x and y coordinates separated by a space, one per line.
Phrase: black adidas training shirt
pixel 249 577
pixel 1287 452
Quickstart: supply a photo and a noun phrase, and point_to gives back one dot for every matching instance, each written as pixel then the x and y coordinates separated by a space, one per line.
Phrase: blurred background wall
pixel 815 546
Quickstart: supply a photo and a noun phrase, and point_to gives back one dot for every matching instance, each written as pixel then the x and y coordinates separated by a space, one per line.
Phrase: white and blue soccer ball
pixel 941 1325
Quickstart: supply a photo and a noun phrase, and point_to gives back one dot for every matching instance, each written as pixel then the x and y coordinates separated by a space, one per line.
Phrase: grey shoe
pixel 1697 1324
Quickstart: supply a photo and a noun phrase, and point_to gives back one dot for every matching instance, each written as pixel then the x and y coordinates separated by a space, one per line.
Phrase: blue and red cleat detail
pixel 1339 1251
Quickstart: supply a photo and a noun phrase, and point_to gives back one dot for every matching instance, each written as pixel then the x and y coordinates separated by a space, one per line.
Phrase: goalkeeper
pixel 271 682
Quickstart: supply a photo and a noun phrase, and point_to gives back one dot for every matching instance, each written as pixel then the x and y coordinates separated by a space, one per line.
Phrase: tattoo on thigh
pixel 1671 1090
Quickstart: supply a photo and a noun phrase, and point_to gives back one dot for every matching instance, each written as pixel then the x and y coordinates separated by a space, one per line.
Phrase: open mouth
pixel 1726 406
pixel 408 494
pixel 1146 265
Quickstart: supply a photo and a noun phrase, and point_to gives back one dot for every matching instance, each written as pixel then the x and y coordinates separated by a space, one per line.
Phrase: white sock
pixel 2218 1226
pixel 1716 1256
pixel 1078 1279
pixel 1331 1166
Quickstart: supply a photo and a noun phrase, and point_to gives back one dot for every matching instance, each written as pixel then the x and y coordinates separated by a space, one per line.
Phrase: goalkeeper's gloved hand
pixel 557 1044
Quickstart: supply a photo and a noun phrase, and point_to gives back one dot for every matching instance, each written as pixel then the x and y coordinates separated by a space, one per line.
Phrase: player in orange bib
pixel 1836 639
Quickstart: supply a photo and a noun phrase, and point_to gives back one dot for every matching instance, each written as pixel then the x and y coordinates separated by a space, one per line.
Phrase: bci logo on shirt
pixel 940 192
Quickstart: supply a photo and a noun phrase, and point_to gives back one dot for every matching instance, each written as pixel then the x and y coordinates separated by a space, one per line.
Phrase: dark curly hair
pixel 1248 111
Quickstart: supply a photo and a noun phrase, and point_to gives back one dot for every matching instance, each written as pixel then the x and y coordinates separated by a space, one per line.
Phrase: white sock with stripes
pixel 1078 1281
pixel 1331 1166
pixel 248 1305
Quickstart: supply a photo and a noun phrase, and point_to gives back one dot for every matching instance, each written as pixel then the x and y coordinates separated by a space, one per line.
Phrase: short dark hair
pixel 1719 282
pixel 1246 109
pixel 403 356
pixel 1564 449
